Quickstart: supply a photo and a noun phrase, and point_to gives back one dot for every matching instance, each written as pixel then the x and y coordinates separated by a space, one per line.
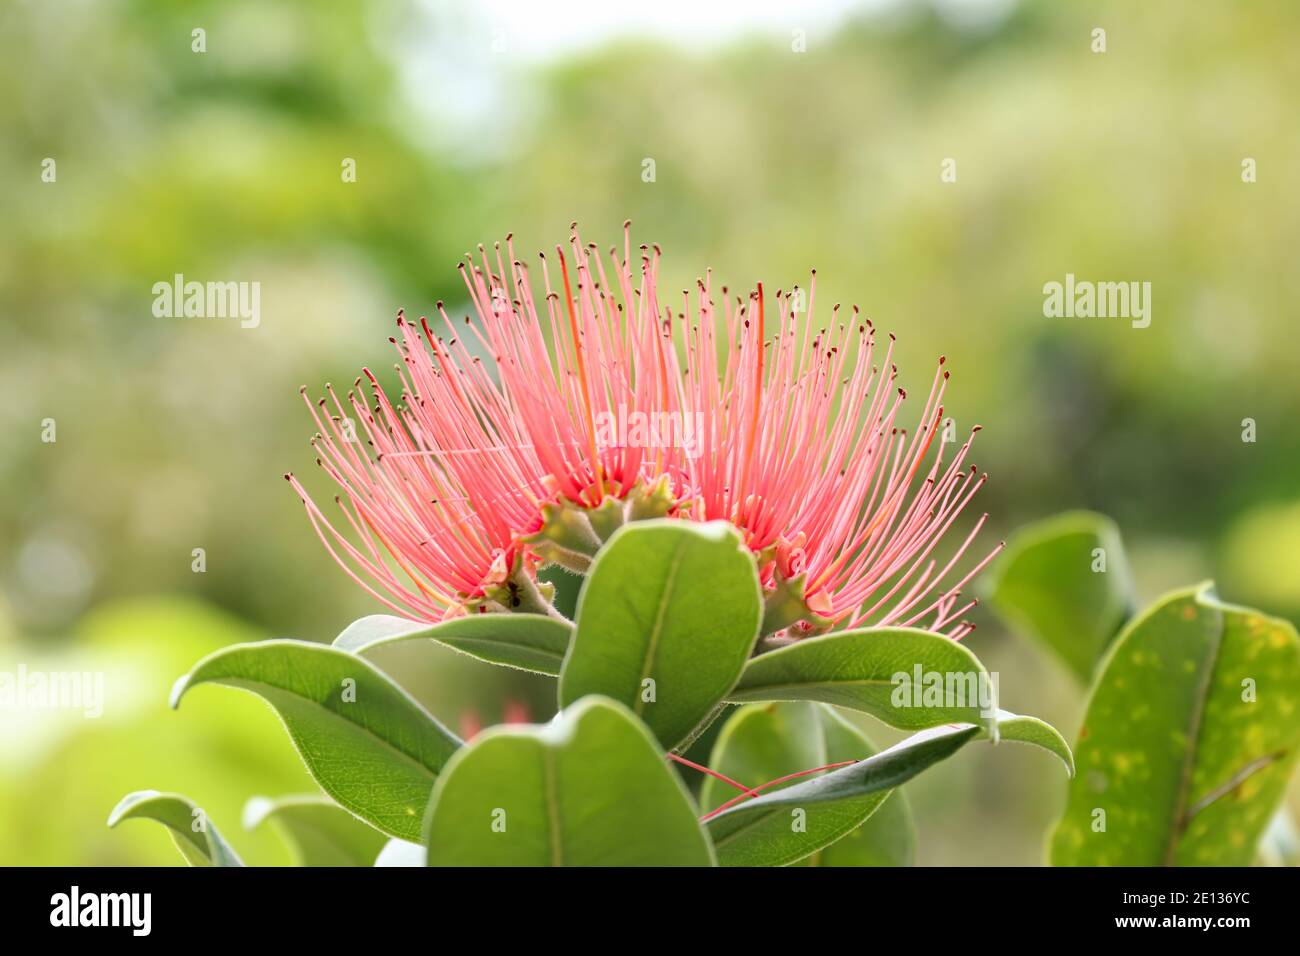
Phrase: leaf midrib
pixel 461 643
pixel 1177 825
pixel 656 630
pixel 335 715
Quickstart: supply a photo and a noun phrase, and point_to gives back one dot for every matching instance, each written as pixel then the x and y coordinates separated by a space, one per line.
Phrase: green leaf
pixel 888 838
pixel 530 642
pixel 317 831
pixel 592 788
pixel 194 835
pixel 666 619
pixel 764 742
pixel 1021 729
pixel 785 826
pixel 1048 586
pixel 761 831
pixel 761 742
pixel 1190 735
pixel 367 742
pixel 906 677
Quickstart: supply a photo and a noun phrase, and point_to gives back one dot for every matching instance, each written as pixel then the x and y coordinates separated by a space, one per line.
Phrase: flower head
pixel 511 444
pixel 813 461
pixel 435 488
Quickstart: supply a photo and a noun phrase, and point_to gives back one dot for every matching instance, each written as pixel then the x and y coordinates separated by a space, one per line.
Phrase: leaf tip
pixel 119 812
pixel 178 691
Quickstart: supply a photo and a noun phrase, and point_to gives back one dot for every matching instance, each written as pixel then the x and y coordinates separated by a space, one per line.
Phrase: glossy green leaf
pixel 1065 582
pixel 592 788
pixel 1190 735
pixel 761 742
pixel 317 831
pixel 666 619
pixel 906 677
pixel 1021 729
pixel 367 742
pixel 195 836
pixel 787 825
pixel 888 838
pixel 531 642
pixel 764 742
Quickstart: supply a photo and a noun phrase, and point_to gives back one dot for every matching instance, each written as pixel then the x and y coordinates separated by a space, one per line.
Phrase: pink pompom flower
pixel 549 422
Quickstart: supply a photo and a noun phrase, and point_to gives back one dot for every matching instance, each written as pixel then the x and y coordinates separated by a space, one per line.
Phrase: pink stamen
pixel 705 770
pixel 755 791
pixel 799 440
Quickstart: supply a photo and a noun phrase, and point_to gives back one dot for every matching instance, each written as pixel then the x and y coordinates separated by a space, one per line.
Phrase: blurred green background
pixel 469 122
